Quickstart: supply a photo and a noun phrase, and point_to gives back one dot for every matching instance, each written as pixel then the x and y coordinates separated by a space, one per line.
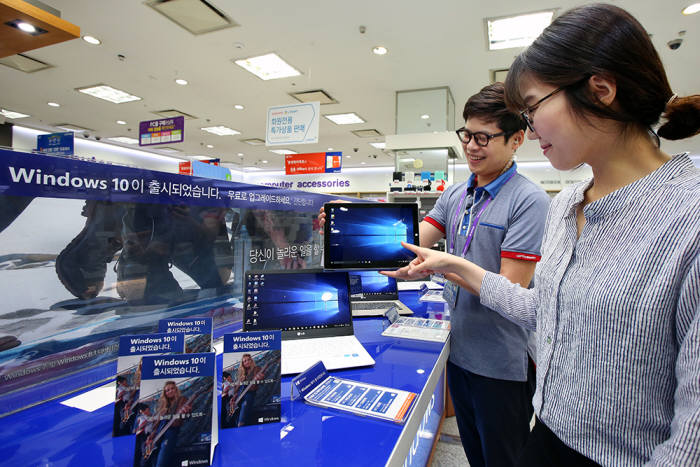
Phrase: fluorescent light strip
pixel 268 66
pixel 378 145
pixel 109 93
pixel 221 130
pixel 283 152
pixel 517 31
pixel 345 119
pixel 12 114
pixel 124 140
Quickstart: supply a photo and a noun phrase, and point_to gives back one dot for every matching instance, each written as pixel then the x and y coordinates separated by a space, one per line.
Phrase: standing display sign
pixel 316 162
pixel 176 425
pixel 292 124
pixel 56 144
pixel 161 131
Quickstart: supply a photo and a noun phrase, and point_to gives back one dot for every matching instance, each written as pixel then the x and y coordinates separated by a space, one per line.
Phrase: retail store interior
pixel 391 78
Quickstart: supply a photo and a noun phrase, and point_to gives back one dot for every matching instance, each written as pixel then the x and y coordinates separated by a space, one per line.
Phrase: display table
pixel 55 434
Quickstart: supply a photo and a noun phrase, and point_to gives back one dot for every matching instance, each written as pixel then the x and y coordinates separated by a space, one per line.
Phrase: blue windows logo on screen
pixel 291 301
pixel 370 234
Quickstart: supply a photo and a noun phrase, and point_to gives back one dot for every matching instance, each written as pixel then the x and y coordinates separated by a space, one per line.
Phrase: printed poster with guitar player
pixel 250 390
pixel 131 350
pixel 197 331
pixel 176 425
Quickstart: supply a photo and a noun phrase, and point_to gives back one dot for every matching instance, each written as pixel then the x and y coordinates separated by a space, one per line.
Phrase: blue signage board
pixel 56 144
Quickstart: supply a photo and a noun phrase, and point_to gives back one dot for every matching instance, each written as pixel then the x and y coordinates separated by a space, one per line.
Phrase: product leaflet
pixel 176 424
pixel 197 331
pixel 424 329
pixel 251 379
pixel 131 350
pixel 319 388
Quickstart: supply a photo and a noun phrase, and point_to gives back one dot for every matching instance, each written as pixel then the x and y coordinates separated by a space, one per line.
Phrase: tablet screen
pixel 369 235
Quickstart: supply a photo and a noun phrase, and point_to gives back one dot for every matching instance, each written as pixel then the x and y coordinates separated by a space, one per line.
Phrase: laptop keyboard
pixel 370 305
pixel 320 347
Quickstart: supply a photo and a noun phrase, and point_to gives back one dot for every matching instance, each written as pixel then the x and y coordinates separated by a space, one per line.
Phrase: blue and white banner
pixel 150 343
pixel 178 366
pixel 293 124
pixel 23 174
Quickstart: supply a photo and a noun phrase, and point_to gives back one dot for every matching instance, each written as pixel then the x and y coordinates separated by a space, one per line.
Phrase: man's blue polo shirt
pixel 511 226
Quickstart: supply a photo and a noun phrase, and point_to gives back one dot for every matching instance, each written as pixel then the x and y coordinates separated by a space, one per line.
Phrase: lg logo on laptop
pixel 301 333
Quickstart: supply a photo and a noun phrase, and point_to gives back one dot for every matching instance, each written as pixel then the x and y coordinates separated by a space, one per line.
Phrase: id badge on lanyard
pixel 460 242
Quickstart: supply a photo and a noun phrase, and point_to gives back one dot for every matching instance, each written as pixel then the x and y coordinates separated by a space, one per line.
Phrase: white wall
pixel 24 139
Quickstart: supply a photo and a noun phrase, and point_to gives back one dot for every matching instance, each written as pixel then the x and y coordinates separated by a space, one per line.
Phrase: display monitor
pixel 369 235
pixel 311 300
pixel 371 285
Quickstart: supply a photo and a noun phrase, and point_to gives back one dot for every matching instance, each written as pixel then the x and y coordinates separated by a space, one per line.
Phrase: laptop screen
pixel 370 286
pixel 368 235
pixel 307 303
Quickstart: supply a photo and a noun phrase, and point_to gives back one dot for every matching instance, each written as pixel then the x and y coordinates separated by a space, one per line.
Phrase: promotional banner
pixel 161 131
pixel 292 124
pixel 315 162
pixel 56 144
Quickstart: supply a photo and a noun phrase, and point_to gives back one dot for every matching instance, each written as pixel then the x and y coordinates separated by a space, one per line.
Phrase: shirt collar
pixel 495 186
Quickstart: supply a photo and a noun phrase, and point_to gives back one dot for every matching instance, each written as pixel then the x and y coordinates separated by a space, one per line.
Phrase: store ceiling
pixel 439 43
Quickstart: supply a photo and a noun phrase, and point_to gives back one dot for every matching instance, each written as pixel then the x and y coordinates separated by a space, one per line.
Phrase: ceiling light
pixel 210 146
pixel 347 156
pixel 282 152
pixel 363 162
pixel 92 40
pixel 71 127
pixel 53 104
pixel 379 50
pixel 124 139
pixel 253 168
pixel 239 107
pixel 12 114
pixel 181 82
pixel 517 31
pixel 378 145
pixel 108 93
pixel 408 159
pixel 264 162
pixel 425 116
pixel 121 122
pixel 269 66
pixel 254 141
pixel 330 149
pixel 317 95
pixel 26 27
pixel 221 130
pixel 240 154
pixel 691 9
pixel 345 119
pixel 368 133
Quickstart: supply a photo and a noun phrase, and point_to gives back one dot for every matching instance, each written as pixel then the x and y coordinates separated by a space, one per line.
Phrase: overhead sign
pixel 313 163
pixel 161 131
pixel 292 124
pixel 56 144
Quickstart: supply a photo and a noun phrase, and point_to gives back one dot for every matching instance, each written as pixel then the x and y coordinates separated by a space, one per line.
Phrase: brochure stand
pixel 251 384
pixel 131 351
pixel 177 424
pixel 197 331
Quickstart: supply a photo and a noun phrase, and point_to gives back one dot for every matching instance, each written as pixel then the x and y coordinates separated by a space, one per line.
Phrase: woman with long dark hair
pixel 616 302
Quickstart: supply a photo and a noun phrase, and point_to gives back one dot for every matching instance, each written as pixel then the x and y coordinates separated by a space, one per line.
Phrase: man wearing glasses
pixel 496 220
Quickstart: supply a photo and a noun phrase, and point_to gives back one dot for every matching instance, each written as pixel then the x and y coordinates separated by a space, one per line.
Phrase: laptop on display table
pixel 312 309
pixel 373 294
pixel 368 235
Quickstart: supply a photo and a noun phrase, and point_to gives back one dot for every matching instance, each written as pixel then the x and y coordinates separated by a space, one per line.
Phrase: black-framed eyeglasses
pixel 526 114
pixel 480 138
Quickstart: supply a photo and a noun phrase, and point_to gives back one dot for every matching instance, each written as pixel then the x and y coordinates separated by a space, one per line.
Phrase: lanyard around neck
pixel 459 216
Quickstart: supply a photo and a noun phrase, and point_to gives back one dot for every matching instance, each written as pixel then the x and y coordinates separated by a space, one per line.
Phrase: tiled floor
pixel 449 450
